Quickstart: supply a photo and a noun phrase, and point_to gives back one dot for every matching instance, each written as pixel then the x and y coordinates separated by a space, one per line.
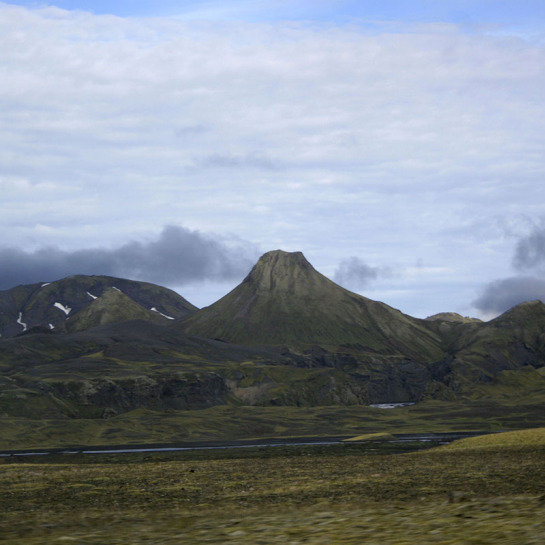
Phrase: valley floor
pixel 486 493
pixel 227 423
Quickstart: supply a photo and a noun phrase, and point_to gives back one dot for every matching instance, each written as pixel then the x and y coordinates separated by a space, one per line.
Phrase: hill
pixel 284 300
pixel 51 305
pixel 482 356
pixel 533 438
pixel 452 317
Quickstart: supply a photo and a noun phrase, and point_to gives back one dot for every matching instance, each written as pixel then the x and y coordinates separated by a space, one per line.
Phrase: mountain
pixel 89 347
pixel 513 339
pixel 52 305
pixel 285 301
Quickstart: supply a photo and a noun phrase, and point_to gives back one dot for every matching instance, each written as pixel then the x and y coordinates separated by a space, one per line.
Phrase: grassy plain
pixel 224 423
pixel 488 490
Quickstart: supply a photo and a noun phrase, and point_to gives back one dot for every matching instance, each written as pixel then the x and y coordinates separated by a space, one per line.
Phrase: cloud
pixel 529 257
pixel 501 295
pixel 178 256
pixel 254 159
pixel 300 135
pixel 354 273
pixel 530 250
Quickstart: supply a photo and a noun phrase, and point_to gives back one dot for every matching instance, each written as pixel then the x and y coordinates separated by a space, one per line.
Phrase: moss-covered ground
pixel 488 491
pixel 226 423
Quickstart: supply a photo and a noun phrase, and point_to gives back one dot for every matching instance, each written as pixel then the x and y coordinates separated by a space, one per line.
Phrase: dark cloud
pixel 179 256
pixel 528 258
pixel 354 273
pixel 530 250
pixel 501 295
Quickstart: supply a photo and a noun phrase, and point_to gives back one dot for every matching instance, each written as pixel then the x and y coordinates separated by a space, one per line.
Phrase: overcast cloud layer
pixel 411 148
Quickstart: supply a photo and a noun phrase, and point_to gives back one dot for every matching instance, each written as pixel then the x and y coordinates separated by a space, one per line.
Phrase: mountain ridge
pixel 52 304
pixel 285 336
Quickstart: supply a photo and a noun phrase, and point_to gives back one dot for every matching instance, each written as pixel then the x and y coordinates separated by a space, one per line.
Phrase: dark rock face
pixel 121 395
pixel 317 356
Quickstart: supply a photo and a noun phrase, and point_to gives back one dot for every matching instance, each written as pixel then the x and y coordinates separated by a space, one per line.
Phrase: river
pixel 433 438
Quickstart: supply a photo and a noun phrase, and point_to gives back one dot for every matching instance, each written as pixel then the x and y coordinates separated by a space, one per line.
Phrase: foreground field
pixel 490 491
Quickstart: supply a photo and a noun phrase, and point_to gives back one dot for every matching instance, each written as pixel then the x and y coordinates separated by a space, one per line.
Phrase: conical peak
pixel 279 258
pixel 284 300
pixel 279 270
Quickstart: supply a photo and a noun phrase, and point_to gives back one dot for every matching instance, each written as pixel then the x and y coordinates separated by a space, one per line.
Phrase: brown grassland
pixel 485 490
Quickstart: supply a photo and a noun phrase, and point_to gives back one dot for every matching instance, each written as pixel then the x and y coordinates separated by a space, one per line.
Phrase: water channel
pixel 432 438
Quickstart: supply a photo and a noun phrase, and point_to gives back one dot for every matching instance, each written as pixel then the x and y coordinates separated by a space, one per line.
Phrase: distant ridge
pixel 52 305
pixel 530 311
pixel 452 317
pixel 284 300
pixel 111 307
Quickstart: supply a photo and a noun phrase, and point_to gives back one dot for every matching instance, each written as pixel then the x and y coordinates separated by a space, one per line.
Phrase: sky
pixel 398 144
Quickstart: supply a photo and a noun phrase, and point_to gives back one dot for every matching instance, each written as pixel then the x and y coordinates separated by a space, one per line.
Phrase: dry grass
pixel 514 439
pixel 480 496
pixel 502 521
pixel 379 436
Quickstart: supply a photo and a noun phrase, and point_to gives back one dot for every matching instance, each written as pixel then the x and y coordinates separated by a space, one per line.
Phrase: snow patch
pixel 113 287
pixel 20 321
pixel 164 315
pixel 60 306
pixel 46 284
pixel 51 326
pixel 91 296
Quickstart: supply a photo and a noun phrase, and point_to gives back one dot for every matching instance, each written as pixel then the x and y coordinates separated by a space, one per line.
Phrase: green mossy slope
pixel 284 300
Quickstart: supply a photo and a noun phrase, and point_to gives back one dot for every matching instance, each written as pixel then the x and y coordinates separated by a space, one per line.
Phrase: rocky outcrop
pixel 161 393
